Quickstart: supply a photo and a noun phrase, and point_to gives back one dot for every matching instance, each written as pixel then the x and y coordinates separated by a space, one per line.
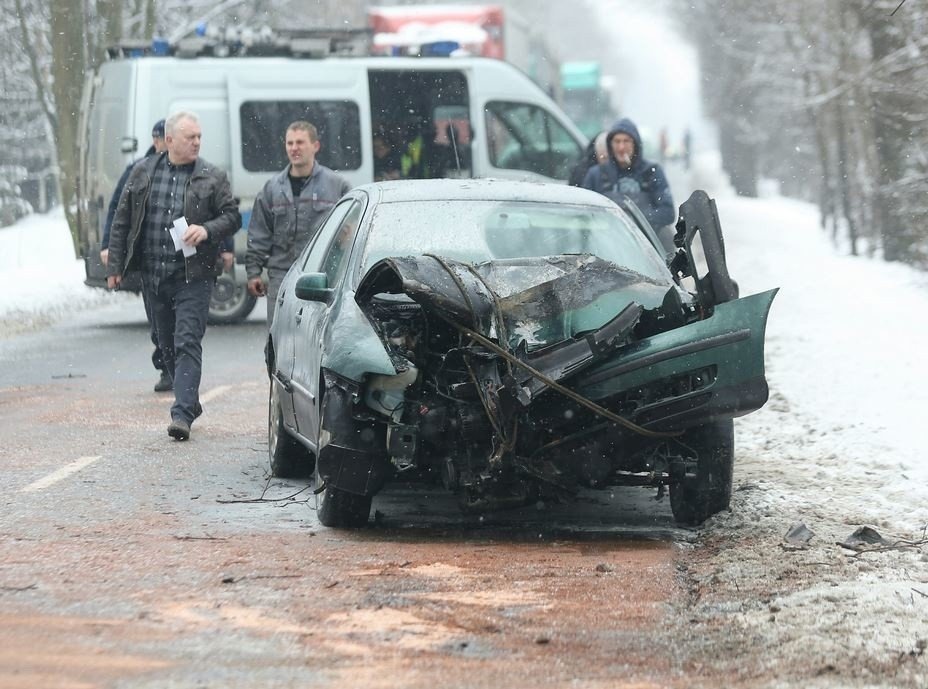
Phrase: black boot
pixel 179 429
pixel 164 384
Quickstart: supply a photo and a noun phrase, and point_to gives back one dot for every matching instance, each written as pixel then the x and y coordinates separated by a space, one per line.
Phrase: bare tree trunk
pixel 844 178
pixel 148 29
pixel 68 60
pixel 41 91
pixel 890 129
pixel 111 12
pixel 826 195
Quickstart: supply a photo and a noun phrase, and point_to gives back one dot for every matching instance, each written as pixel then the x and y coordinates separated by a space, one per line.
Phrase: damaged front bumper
pixel 700 372
pixel 626 365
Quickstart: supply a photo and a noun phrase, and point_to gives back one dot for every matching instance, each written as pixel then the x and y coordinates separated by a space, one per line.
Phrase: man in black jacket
pixel 170 224
pixel 164 383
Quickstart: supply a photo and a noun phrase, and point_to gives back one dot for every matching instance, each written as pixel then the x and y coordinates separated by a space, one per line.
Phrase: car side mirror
pixel 313 287
pixel 699 221
pixel 128 144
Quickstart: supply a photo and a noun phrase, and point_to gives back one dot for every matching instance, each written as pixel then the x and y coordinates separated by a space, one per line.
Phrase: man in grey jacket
pixel 179 191
pixel 288 211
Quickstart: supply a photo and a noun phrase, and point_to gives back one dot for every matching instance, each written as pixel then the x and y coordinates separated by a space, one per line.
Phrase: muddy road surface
pixel 130 560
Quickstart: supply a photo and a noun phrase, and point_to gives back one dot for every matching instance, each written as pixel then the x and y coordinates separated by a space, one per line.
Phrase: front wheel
pixel 696 497
pixel 340 509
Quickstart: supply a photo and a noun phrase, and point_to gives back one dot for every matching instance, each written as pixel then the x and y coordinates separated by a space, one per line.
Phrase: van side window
pixel 421 123
pixel 264 124
pixel 521 136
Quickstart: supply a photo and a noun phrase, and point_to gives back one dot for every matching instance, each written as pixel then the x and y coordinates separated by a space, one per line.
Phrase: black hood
pixel 625 126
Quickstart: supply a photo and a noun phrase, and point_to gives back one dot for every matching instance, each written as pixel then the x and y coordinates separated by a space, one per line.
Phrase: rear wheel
pixel 288 458
pixel 696 497
pixel 230 301
pixel 341 509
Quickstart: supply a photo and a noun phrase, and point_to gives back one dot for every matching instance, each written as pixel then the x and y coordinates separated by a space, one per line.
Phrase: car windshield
pixel 477 231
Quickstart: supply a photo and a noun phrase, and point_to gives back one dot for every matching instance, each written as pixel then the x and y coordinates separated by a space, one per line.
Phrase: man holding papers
pixel 170 224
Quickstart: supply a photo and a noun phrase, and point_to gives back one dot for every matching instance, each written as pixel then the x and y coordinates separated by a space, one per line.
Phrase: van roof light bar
pixel 312 43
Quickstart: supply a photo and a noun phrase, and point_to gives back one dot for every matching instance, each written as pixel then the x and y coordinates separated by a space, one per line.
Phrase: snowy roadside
pixel 40 279
pixel 837 447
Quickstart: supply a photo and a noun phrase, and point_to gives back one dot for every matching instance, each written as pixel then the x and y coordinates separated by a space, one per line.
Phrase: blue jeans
pixel 179 311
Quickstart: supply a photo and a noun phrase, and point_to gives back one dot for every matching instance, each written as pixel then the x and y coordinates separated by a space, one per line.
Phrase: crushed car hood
pixel 541 300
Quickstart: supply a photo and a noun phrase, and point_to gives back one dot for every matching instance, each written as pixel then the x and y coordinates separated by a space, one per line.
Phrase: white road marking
pixel 210 395
pixel 62 473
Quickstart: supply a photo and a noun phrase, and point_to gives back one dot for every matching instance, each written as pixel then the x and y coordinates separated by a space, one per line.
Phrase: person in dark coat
pixel 386 159
pixel 288 211
pixel 171 222
pixel 594 154
pixel 164 383
pixel 627 174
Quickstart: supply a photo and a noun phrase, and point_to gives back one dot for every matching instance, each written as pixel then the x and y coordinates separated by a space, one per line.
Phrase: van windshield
pixel 477 231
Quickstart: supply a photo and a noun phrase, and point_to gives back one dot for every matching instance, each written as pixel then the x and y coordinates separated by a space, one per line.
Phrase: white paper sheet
pixel 177 234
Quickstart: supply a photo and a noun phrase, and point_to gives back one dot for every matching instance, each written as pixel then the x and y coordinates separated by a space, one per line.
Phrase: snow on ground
pixel 836 447
pixel 40 279
pixel 843 344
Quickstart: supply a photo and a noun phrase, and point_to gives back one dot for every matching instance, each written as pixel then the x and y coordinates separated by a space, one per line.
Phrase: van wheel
pixel 697 497
pixel 340 509
pixel 230 301
pixel 288 458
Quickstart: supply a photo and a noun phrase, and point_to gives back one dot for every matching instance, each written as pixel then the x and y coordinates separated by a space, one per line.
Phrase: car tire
pixel 697 497
pixel 340 509
pixel 230 301
pixel 288 458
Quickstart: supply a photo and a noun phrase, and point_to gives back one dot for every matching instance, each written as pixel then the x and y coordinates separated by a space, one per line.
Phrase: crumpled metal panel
pixel 542 301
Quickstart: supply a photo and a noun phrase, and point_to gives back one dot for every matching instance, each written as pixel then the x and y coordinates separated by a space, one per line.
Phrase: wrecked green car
pixel 514 342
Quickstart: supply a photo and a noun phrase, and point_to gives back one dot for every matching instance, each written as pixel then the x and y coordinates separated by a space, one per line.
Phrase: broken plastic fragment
pixel 862 537
pixel 798 535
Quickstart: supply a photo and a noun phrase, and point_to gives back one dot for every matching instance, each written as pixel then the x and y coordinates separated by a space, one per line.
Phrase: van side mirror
pixel 128 144
pixel 313 287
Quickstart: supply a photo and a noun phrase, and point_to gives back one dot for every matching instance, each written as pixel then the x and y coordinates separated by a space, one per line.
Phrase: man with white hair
pixel 175 191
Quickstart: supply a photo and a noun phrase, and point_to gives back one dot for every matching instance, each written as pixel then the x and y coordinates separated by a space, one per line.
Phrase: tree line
pixel 829 97
pixel 51 48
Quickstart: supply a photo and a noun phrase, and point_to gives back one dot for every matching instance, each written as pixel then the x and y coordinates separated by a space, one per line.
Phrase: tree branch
pixel 41 91
pixel 217 10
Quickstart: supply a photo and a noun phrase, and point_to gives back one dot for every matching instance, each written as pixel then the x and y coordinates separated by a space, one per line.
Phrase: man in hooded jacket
pixel 627 174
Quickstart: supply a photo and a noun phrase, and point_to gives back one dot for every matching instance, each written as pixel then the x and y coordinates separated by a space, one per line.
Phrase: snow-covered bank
pixel 836 447
pixel 40 279
pixel 842 344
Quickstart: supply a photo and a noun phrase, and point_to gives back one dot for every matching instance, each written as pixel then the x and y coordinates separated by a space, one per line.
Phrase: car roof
pixel 482 190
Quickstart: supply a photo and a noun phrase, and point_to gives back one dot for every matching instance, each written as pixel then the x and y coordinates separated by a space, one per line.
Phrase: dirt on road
pixel 377 609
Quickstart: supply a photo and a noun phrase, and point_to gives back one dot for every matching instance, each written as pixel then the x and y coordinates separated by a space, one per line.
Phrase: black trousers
pixel 156 359
pixel 179 310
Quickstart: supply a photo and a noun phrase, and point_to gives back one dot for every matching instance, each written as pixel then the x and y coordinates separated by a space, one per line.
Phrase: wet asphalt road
pixel 131 560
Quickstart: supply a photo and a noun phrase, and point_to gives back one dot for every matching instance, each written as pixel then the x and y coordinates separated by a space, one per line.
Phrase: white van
pixel 487 119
